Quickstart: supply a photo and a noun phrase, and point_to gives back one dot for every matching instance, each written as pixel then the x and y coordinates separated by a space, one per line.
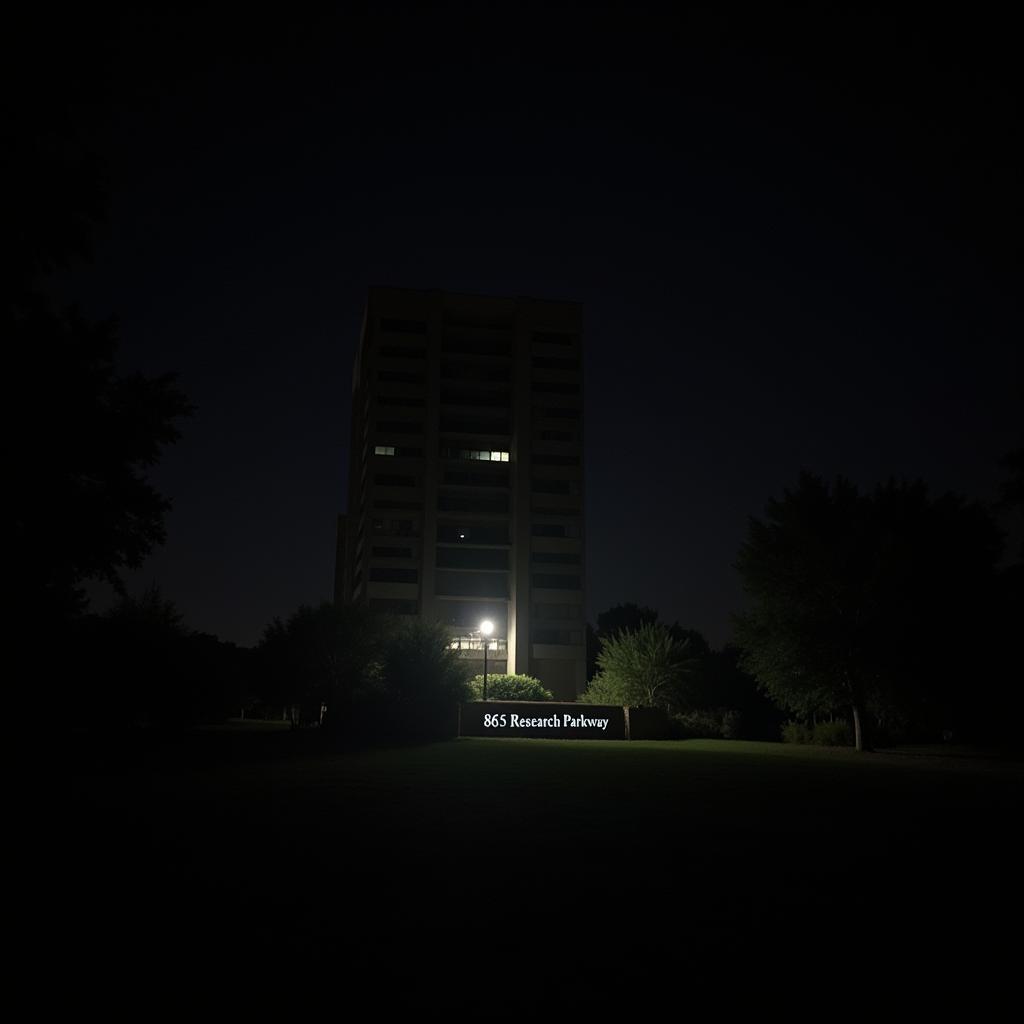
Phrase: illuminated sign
pixel 542 720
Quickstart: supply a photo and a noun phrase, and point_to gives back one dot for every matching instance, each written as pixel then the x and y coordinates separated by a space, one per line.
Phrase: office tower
pixel 466 476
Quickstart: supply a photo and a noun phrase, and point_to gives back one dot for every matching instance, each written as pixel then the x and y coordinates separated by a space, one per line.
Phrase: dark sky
pixel 797 243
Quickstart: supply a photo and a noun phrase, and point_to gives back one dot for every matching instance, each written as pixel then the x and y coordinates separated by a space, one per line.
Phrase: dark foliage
pixel 873 603
pixel 139 666
pixel 363 676
pixel 713 697
pixel 721 686
pixel 318 656
pixel 418 688
pixel 79 506
pixel 506 686
pixel 620 618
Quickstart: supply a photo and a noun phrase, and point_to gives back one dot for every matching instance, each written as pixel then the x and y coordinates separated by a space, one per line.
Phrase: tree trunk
pixel 859 730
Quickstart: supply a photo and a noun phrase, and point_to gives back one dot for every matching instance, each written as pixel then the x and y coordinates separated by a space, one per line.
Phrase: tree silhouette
pixel 643 667
pixel 867 602
pixel 79 505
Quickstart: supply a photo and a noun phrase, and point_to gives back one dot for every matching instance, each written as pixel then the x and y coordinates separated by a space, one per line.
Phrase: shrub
pixel 833 734
pixel 509 687
pixel 796 732
pixel 708 723
pixel 645 667
pixel 420 684
pixel 836 733
pixel 603 689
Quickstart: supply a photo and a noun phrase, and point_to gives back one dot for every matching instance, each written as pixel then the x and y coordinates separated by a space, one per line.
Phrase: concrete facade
pixel 466 476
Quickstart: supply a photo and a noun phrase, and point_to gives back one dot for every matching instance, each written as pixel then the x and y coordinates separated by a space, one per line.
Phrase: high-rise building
pixel 466 476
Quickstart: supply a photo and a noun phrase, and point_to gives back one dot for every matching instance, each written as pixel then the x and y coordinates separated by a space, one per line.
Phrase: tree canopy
pixel 644 667
pixel 79 506
pixel 376 674
pixel 865 602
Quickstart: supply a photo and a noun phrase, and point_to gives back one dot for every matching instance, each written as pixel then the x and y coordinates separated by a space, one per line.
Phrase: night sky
pixel 797 243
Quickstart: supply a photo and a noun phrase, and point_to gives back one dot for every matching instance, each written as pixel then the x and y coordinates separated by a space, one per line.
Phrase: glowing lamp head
pixel 487 627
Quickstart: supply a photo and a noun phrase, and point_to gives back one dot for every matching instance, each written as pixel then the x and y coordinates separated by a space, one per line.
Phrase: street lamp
pixel 486 629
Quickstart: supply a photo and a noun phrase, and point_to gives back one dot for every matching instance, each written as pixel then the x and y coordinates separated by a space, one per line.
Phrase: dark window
pixel 555 530
pixel 568 511
pixel 397 352
pixel 555 558
pixel 476 346
pixel 553 338
pixel 383 575
pixel 391 552
pixel 468 318
pixel 394 606
pixel 551 636
pixel 474 533
pixel 403 326
pixel 400 400
pixel 555 363
pixel 408 506
pixel 557 435
pixel 486 372
pixel 559 414
pixel 459 425
pixel 555 612
pixel 555 487
pixel 475 478
pixel 481 504
pixel 556 582
pixel 400 376
pixel 555 387
pixel 471 584
pixel 395 527
pixel 556 460
pixel 472 558
pixel 399 427
pixel 484 399
pixel 394 480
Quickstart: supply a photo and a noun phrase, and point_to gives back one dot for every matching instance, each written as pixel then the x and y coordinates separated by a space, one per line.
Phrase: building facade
pixel 466 476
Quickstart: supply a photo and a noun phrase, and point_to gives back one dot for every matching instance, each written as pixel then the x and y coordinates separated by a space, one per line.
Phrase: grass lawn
pixel 429 870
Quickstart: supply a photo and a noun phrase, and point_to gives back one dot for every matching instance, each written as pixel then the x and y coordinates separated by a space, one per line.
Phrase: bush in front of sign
pixel 646 667
pixel 509 687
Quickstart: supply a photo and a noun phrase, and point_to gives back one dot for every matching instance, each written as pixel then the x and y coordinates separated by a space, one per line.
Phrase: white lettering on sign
pixel 503 721
pixel 579 722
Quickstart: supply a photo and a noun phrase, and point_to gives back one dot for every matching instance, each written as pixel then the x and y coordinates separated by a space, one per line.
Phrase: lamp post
pixel 486 629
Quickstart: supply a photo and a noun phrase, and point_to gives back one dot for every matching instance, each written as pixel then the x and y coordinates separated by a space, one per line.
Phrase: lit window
pixel 474 642
pixel 384 449
pixel 474 455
